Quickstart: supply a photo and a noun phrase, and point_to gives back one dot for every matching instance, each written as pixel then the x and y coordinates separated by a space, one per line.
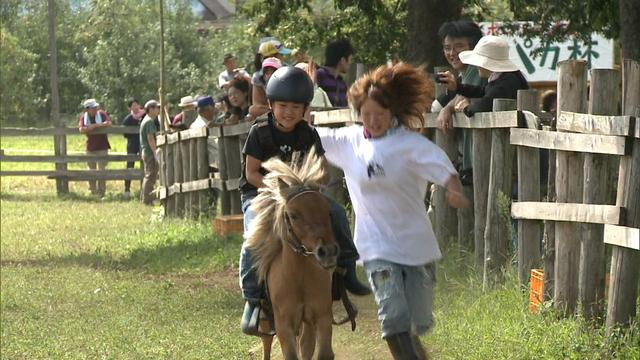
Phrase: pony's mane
pixel 268 229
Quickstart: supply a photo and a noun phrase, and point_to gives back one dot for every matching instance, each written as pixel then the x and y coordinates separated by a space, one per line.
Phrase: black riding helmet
pixel 292 84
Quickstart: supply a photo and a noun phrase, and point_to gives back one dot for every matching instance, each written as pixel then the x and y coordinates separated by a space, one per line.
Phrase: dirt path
pixel 362 344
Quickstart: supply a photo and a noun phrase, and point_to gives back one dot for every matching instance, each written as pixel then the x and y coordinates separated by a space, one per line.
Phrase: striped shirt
pixel 335 87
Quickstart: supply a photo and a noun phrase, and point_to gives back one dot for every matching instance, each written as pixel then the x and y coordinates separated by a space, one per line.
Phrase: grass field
pixel 83 278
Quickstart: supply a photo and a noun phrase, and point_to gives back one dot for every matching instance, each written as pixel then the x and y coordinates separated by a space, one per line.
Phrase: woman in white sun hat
pixel 491 56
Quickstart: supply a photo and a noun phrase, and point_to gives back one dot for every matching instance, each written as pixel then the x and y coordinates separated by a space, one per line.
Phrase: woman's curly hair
pixel 404 89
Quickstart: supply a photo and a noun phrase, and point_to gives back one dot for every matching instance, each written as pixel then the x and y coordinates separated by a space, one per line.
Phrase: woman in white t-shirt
pixel 387 166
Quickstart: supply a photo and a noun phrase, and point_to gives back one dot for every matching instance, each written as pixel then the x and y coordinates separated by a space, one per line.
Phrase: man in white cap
pixel 91 120
pixel 148 130
pixel 188 114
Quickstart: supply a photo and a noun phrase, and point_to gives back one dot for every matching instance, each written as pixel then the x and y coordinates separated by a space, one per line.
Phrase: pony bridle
pixel 297 246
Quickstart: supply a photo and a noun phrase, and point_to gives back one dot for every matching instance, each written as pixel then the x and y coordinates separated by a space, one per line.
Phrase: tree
pixel 16 91
pixel 108 49
pixel 424 20
pixel 555 21
pixel 375 28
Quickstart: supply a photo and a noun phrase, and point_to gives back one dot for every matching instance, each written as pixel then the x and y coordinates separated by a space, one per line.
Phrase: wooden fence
pixel 592 146
pixel 196 160
pixel 60 158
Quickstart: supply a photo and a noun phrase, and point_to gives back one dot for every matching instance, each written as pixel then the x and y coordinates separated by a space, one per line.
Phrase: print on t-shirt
pixel 285 150
pixel 375 169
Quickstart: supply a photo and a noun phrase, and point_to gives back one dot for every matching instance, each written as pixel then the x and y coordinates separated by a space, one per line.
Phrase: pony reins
pixel 297 246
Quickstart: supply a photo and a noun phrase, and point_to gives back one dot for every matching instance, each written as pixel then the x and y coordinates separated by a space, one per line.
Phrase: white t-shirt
pixel 199 122
pixel 387 181
pixel 226 76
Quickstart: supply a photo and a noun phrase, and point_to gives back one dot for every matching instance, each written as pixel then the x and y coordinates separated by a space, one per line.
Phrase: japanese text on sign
pixel 598 52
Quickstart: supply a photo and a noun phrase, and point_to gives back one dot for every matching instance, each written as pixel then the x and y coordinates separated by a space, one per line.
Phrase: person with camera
pixel 458 36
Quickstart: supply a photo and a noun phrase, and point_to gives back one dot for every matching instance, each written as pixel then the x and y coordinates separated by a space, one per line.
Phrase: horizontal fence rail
pixel 61 158
pixel 114 129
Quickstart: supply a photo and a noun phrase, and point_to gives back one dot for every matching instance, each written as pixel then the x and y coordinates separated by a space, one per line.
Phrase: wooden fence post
pixel 625 263
pixel 529 231
pixel 168 163
pixel 202 172
pixel 605 89
pixel 446 224
pixel 162 172
pixel 549 257
pixel 225 199
pixel 481 171
pixel 232 155
pixel 177 177
pixel 186 173
pixel 497 233
pixel 194 202
pixel 572 96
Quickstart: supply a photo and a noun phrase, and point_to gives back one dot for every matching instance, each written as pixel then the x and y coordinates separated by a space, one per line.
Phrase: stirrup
pixel 250 322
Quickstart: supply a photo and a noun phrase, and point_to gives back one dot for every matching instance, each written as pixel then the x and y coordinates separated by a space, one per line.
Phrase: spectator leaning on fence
pixel 458 36
pixel 237 101
pixel 491 57
pixel 230 72
pixel 337 56
pixel 187 116
pixel 206 113
pixel 207 118
pixel 148 130
pixel 91 120
pixel 136 113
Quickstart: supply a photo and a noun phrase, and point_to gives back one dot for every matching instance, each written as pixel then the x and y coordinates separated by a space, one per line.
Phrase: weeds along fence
pixel 61 159
pixel 591 147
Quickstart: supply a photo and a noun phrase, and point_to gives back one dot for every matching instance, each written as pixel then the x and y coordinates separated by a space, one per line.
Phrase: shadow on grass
pixel 205 252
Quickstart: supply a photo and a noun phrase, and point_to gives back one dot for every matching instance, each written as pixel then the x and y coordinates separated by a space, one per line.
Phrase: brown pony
pixel 295 253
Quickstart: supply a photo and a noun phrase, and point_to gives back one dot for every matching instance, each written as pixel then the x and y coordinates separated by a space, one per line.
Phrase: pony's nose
pixel 328 251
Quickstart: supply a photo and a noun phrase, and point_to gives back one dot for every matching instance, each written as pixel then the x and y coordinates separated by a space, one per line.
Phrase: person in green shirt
pixel 148 130
pixel 458 36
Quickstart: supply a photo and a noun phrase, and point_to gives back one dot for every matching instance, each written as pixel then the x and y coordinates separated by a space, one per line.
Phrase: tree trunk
pixel 423 21
pixel 60 141
pixel 630 28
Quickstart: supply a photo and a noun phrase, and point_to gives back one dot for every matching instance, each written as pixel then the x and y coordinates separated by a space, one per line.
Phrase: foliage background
pixel 109 49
